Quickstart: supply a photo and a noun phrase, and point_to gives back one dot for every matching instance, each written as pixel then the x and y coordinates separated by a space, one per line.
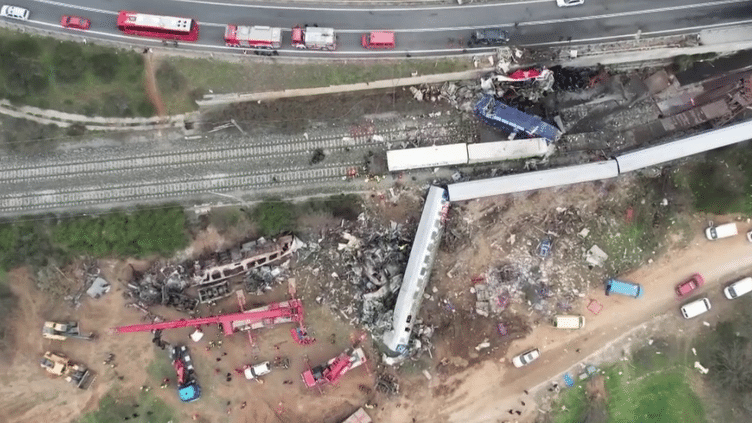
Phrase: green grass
pixel 114 408
pixel 651 387
pixel 659 396
pixel 202 75
pixel 160 367
pixel 137 233
pixel 72 77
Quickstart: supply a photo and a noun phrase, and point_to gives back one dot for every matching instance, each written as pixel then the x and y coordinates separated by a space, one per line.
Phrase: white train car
pixel 422 157
pixel 418 271
pixel 508 150
pixel 685 147
pixel 533 180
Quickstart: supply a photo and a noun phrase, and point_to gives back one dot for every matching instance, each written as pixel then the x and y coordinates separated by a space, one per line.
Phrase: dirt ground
pixel 466 385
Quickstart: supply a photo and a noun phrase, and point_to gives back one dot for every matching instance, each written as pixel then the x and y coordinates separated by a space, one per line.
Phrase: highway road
pixel 420 31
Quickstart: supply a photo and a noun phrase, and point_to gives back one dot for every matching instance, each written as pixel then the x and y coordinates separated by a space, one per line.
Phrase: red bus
pixel 165 27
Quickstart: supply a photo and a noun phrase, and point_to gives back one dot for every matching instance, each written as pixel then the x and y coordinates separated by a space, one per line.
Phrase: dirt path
pixel 150 82
pixel 485 393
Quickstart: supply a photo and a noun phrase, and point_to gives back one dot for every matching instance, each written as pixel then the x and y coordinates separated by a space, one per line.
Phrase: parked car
pixel 255 372
pixel 749 236
pixel 567 3
pixel 629 289
pixel 721 231
pixel 75 22
pixel 569 322
pixel 15 12
pixel 526 358
pixel 488 37
pixel 738 288
pixel 691 284
pixel 695 308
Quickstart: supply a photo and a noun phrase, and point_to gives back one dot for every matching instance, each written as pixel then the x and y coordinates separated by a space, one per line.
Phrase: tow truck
pixel 334 369
pixel 188 388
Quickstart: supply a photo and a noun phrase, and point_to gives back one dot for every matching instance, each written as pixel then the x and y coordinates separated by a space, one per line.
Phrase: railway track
pixel 268 167
pixel 170 189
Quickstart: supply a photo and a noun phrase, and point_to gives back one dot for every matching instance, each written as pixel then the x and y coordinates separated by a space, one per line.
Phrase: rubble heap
pixel 162 284
pixel 371 259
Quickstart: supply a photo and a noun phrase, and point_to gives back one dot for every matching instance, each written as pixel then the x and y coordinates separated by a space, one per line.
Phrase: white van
pixel 569 322
pixel 14 12
pixel 695 308
pixel 738 288
pixel 721 231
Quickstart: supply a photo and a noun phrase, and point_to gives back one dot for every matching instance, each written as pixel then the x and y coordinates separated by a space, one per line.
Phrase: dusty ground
pixel 466 385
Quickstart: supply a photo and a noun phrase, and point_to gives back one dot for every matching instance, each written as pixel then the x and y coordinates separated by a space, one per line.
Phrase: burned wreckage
pixel 173 284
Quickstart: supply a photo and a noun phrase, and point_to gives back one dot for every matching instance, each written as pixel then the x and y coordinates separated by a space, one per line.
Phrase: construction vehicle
pixel 334 369
pixel 259 38
pixel 188 388
pixel 63 331
pixel 60 365
pixel 314 38
pixel 283 312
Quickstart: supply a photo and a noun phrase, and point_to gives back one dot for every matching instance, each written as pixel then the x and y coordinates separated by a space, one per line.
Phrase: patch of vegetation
pixel 685 61
pixel 49 239
pixel 63 75
pixel 224 219
pixel 7 304
pixel 139 233
pixel 160 367
pixel 343 206
pixel 651 387
pixel 633 231
pixel 169 79
pixel 275 217
pixel 727 351
pixel 723 182
pixel 115 408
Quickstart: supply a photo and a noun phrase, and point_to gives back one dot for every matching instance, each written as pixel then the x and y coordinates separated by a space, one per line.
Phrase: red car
pixel 693 283
pixel 76 22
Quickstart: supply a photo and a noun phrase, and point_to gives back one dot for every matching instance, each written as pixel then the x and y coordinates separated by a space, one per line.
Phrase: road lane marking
pixel 239 51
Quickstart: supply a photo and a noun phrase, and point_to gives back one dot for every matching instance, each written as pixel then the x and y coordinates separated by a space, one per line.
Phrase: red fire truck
pixel 165 27
pixel 253 37
pixel 314 38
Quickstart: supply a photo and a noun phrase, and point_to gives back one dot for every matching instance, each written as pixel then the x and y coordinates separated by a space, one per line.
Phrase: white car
pixel 695 308
pixel 255 372
pixel 526 358
pixel 15 12
pixel 738 288
pixel 567 3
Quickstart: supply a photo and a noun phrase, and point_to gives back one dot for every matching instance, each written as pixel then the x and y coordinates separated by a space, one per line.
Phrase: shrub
pixel 68 59
pixel 105 65
pixel 275 217
pixel 169 79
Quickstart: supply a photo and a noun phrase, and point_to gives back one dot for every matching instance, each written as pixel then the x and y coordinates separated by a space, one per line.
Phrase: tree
pixel 730 365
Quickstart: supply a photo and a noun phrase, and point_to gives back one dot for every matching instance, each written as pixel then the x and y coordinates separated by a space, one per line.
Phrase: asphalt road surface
pixel 420 31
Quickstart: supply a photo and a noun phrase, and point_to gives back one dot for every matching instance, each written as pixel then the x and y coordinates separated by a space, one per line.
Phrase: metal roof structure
pixel 422 157
pixel 533 180
pixel 501 116
pixel 418 271
pixel 685 147
pixel 507 150
pixel 254 33
pixel 316 35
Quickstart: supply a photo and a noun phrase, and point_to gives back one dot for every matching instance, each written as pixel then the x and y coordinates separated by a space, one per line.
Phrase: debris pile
pixel 387 384
pixel 541 273
pixel 368 262
pixel 162 284
pixel 172 284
